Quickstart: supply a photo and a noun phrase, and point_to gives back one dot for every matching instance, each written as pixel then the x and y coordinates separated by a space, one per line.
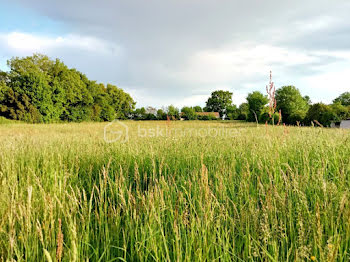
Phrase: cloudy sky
pixel 178 51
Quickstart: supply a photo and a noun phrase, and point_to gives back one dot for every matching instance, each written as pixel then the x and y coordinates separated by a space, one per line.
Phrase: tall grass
pixel 265 194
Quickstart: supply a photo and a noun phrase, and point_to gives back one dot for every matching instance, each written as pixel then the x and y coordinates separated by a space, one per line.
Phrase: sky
pixel 177 52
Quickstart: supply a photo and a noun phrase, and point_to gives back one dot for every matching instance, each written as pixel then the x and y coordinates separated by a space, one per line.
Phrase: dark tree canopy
pixel 219 101
pixel 308 100
pixel 197 109
pixel 321 113
pixel 232 112
pixel 161 115
pixel 341 112
pixel 38 89
pixel 243 111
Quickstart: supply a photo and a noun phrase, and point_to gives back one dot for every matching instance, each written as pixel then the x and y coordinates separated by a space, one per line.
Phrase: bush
pixel 321 113
pixel 4 120
pixel 207 117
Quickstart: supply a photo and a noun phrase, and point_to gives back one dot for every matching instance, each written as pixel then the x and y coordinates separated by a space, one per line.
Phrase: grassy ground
pixel 191 191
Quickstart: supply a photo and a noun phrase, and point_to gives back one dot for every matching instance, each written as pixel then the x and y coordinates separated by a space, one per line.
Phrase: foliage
pixel 207 117
pixel 173 112
pixel 321 113
pixel 4 120
pixel 188 113
pixel 161 115
pixel 3 77
pixel 219 101
pixel 42 90
pixel 139 114
pixel 341 112
pixel 232 112
pixel 145 114
pixel 343 99
pixel 265 117
pixel 243 111
pixel 293 106
pixel 3 95
pixel 308 100
pixel 198 109
pixel 256 101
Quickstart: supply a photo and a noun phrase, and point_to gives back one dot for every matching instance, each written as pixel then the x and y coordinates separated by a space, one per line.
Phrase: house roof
pixel 216 114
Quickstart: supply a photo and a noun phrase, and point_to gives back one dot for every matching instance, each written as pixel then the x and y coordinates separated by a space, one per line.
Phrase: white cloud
pixel 342 54
pixel 99 59
pixel 239 97
pixel 328 85
pixel 29 43
pixel 229 67
pixel 178 52
pixel 192 100
pixel 216 66
pixel 316 24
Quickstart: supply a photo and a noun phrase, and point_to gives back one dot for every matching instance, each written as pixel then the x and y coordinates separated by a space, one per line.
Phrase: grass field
pixel 198 191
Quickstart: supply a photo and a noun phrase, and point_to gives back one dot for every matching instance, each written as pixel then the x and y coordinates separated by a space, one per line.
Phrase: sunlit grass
pixel 254 194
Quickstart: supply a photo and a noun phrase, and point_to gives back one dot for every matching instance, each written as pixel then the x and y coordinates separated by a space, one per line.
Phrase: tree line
pixel 40 90
pixel 294 108
pixel 291 108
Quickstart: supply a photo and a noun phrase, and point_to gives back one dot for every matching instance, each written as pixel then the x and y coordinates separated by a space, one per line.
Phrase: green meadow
pixel 191 191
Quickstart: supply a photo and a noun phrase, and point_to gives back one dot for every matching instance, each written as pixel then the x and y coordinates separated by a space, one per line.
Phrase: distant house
pixel 215 114
pixel 341 124
pixel 200 115
pixel 345 123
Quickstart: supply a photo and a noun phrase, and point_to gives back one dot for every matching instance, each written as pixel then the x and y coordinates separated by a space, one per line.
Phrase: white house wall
pixel 345 124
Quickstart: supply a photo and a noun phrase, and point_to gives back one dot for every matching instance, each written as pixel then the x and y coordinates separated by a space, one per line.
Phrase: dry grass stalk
pixel 59 250
pixel 318 123
pixel 271 91
pixel 279 117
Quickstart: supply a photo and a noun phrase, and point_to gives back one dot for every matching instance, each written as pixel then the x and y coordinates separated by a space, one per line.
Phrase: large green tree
pixel 30 84
pixel 198 109
pixel 219 101
pixel 292 104
pixel 256 101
